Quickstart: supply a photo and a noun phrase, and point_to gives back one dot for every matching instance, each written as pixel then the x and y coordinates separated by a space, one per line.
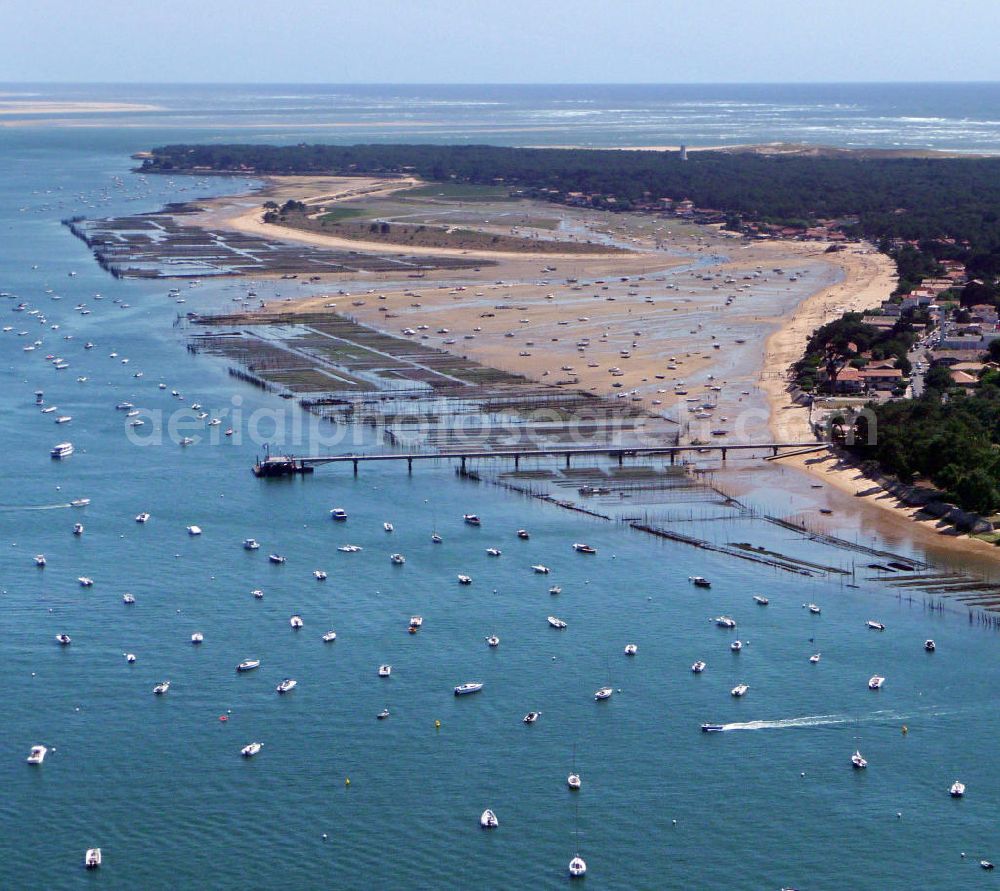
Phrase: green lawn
pixel 457 192
pixel 343 213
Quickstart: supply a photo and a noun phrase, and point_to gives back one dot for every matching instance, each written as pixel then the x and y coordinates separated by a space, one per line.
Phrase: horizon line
pixel 325 83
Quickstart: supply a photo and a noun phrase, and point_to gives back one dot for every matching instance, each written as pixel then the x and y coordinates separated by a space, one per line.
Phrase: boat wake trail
pixel 824 720
pixel 8 508
pixel 785 723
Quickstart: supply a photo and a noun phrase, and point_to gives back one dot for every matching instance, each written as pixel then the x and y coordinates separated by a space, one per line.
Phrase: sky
pixel 497 41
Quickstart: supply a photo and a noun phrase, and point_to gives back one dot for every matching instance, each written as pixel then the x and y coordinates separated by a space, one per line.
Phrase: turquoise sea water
pixel 158 782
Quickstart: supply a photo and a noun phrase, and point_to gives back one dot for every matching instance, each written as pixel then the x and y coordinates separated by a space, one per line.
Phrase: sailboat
pixel 573 780
pixel 577 866
pixel 858 761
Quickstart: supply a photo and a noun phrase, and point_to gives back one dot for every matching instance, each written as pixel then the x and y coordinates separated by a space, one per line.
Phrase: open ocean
pixel 158 782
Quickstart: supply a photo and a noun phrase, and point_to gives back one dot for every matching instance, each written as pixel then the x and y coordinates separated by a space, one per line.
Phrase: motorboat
pixel 985 864
pixel 79 502
pixel 874 626
pixel 489 820
pixel 194 530
pixel 540 569
pixel 471 687
pixel 760 600
pixel 573 781
pixel 248 751
pixel 128 599
pixel 736 646
pixel 258 594
pixel 319 575
pixel 197 637
pixel 62 450
pixel 161 688
pixel 416 622
pixel 276 558
pixel 493 641
pixel 339 514
pixel 858 760
pixel 397 559
pixel 815 610
pixel 581 548
pixel 350 549
pixel 437 539
pixel 555 589
pixel 603 693
pixel 712 728
pixel 287 685
pixel 700 581
pixel 85 582
pixel 740 690
pixel 929 645
pixel 523 534
pixel 465 579
pixel 78 528
pixel 384 671
pixel 248 665
pixel 40 560
pixel 557 623
pixel 129 658
pixel 142 518
pixel 64 639
pixel 295 621
pixel 37 754
pixel 251 544
pixel 494 552
pixel 631 649
pixel 531 717
pixel 329 637
pixel 957 789
pixel 577 867
pixel 698 667
pixel 64 419
pixel 725 622
pixel 814 658
pixel 382 715
pixel 186 441
pixel 92 859
pixel 472 519
pixel 875 682
pixel 388 527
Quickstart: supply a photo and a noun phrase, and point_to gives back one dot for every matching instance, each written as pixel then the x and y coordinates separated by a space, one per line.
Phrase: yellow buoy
pixel 437 725
pixel 347 782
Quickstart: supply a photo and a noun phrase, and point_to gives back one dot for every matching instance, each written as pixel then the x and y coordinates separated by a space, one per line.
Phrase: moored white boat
pixel 582 548
pixel 858 761
pixel 493 552
pixel 957 789
pixel 736 646
pixel 251 749
pixel 416 622
pixel 384 671
pixel 248 665
pixel 338 514
pixel 469 687
pixel 62 450
pixel 464 579
pixel 397 559
pixel 194 530
pixel 700 581
pixel 128 598
pixel 531 717
pixel 388 527
pixel 814 658
pixel 295 621
pixel 78 528
pixel 330 636
pixel 760 600
pixel 85 582
pixel 740 690
pixel 142 518
pixel 540 568
pixel 698 667
pixel 725 622
pixel 320 575
pixel 631 649
pixel 64 639
pixel 161 688
pixel 493 641
pixel 573 781
pixel 276 558
pixel 874 626
pixel 557 623
pixel 523 534
pixel 40 560
pixel 250 544
pixel 929 645
pixel 93 858
pixel 197 637
pixel 472 519
pixel 875 682
pixel 577 867
pixel 287 685
pixel 37 754
pixel 488 820
pixel 603 693
pixel 815 610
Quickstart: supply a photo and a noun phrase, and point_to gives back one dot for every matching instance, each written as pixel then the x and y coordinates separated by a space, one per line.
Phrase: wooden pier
pixel 287 465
